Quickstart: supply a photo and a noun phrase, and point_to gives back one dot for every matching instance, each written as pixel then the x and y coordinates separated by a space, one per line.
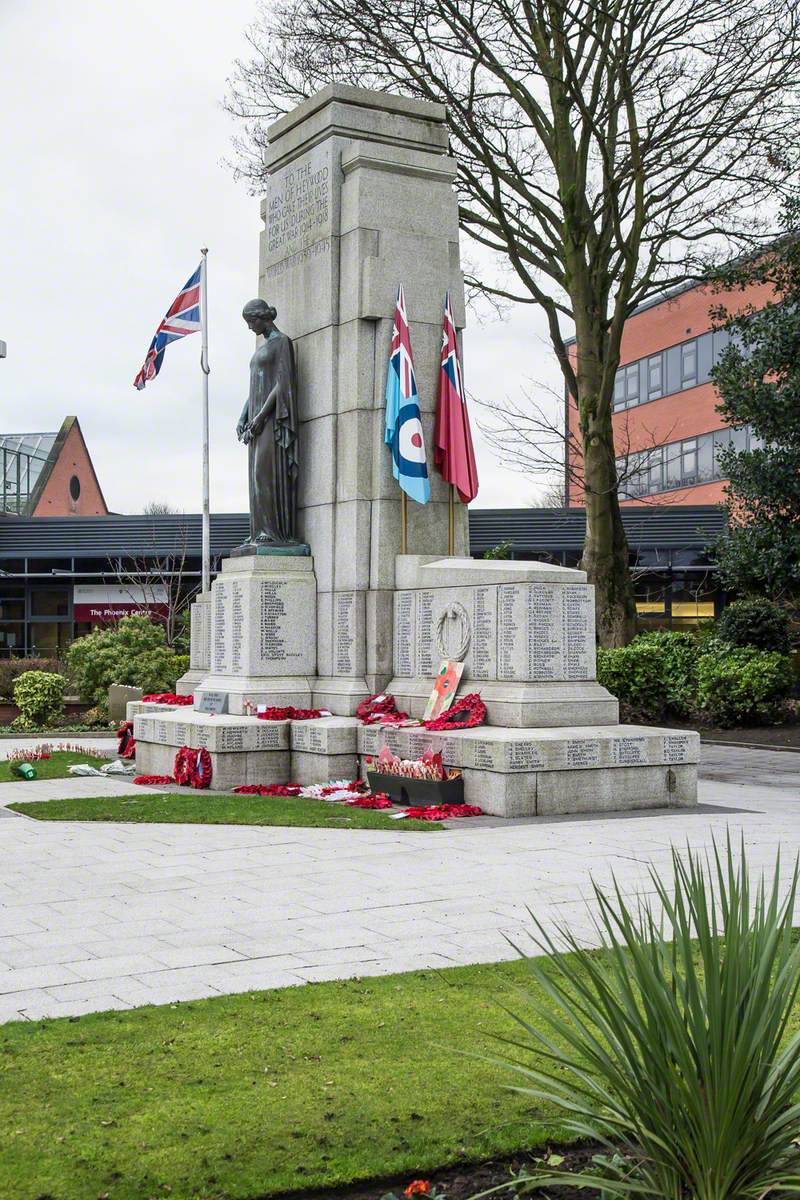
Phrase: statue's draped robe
pixel 273 452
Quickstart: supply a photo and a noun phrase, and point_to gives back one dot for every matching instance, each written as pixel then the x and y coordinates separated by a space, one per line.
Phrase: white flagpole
pixel 205 369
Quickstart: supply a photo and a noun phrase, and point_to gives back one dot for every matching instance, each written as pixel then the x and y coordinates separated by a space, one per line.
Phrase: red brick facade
pixel 70 487
pixel 682 414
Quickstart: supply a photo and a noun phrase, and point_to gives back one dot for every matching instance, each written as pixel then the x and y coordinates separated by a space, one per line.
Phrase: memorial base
pixel 523 705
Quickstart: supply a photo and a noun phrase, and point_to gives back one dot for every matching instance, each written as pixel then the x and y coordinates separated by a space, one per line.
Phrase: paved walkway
pixel 98 916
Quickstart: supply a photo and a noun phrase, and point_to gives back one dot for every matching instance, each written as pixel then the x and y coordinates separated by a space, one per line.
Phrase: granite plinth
pixel 253 690
pixel 523 705
pixel 199 645
pixel 530 772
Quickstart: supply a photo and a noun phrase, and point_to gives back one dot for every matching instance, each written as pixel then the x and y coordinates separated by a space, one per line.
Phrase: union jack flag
pixel 182 317
pixel 403 421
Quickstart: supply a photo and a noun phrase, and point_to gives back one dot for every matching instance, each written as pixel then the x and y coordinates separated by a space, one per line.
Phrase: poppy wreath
pixel 126 746
pixel 290 714
pixel 193 767
pixel 167 698
pixel 465 713
pixel 379 710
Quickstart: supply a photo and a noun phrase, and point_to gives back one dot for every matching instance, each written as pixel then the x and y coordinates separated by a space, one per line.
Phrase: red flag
pixel 452 450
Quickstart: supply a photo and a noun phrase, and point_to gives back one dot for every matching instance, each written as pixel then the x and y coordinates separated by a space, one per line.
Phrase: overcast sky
pixel 112 139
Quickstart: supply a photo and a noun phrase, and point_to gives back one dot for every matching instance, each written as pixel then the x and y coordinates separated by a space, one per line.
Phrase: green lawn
pixel 266 1093
pixel 54 767
pixel 198 808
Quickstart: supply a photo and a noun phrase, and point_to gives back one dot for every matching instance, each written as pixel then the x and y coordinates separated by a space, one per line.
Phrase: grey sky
pixel 112 139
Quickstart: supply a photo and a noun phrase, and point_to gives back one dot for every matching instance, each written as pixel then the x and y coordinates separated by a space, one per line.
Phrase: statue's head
pixel 259 316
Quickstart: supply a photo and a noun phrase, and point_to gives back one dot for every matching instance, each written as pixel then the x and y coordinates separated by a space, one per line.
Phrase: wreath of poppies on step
pixel 465 713
pixel 193 767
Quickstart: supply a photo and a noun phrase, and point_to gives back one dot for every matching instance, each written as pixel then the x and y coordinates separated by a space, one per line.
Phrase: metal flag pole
pixel 451 523
pixel 403 523
pixel 205 369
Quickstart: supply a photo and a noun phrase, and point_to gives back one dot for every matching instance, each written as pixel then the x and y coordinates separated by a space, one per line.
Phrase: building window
pixel 655 386
pixel 681 464
pixel 626 386
pixel 75 487
pixel 689 364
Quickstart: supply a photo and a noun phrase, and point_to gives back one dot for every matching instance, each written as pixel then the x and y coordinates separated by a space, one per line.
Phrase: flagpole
pixel 451 523
pixel 206 551
pixel 403 523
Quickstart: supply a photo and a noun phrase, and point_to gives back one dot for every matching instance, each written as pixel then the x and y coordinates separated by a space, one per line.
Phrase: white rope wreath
pixel 455 612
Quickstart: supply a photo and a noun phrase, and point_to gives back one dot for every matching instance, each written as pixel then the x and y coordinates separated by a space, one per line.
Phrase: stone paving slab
pixel 100 916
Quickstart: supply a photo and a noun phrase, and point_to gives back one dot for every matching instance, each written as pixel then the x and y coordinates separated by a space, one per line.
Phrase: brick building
pixel 50 474
pixel 667 431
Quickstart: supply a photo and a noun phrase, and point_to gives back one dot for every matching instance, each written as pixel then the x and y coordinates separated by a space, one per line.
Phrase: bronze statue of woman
pixel 268 427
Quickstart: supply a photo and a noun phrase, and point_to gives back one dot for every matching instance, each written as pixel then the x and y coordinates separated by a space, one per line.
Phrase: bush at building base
pixel 635 675
pixel 755 622
pixel 134 652
pixel 12 668
pixel 741 685
pixel 679 655
pixel 39 695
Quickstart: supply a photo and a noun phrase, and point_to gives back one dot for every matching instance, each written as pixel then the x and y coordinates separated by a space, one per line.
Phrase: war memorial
pixel 322 607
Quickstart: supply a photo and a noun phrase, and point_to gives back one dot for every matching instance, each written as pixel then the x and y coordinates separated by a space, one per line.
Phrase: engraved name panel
pixel 676 748
pixel 344 632
pixel 404 634
pixel 221 646
pixel 629 751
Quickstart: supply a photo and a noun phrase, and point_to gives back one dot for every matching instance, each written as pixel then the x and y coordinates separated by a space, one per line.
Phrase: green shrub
pixel 635 675
pixel 501 550
pixel 755 622
pixel 39 695
pixel 670 1049
pixel 738 685
pixel 12 668
pixel 134 651
pixel 680 653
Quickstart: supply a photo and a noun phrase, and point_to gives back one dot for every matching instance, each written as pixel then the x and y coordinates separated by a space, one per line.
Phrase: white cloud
pixel 111 145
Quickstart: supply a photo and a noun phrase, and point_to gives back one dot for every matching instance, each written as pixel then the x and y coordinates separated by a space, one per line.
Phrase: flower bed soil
pixel 464 1181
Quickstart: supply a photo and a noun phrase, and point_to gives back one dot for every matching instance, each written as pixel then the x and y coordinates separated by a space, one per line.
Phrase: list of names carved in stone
pixel 196 636
pixel 583 752
pixel 578 632
pixel 317 740
pixel 344 632
pixel 427 653
pixel 483 756
pixel 230 737
pixel 676 748
pixel 273 613
pixel 482 657
pixel 404 634
pixel 221 661
pixel 629 751
pixel 524 756
pixel 512 631
pixel 545 632
pixel 237 628
pixel 269 737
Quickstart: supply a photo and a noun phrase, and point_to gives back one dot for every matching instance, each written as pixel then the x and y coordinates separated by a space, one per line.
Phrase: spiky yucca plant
pixel 672 1048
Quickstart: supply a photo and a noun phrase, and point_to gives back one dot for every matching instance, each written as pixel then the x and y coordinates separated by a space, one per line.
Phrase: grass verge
pixel 268 1093
pixel 198 808
pixel 54 767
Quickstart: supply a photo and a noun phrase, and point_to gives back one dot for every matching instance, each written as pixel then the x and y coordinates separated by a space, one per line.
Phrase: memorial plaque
pixel 197 638
pixel 344 632
pixel 583 752
pixel 482 657
pixel 213 702
pixel 676 748
pixel 317 740
pixel 221 659
pixel 484 756
pixel 578 632
pixel 273 616
pixel 230 737
pixel 161 732
pixel 298 209
pixel 524 756
pixel 545 630
pixel 512 630
pixel 181 733
pixel 629 751
pixel 202 735
pixel 451 751
pixel 404 649
pixel 268 736
pixel 427 653
pixel 237 628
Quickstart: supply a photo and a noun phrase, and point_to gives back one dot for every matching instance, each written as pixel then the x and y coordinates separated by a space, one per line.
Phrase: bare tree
pixel 158 508
pixel 605 148
pixel 160 580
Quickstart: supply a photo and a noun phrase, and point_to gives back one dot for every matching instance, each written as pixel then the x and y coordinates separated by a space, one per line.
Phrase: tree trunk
pixel 605 549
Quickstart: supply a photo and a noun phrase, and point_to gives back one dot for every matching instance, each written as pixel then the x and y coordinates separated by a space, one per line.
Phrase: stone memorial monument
pixel 320 608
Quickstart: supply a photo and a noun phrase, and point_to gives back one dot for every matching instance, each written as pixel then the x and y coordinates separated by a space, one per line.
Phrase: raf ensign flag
pixel 452 450
pixel 403 422
pixel 183 317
